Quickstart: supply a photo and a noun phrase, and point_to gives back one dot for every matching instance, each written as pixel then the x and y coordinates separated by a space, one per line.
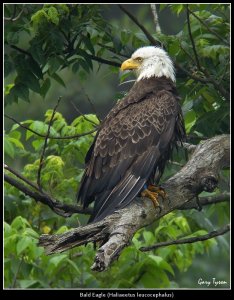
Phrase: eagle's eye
pixel 139 59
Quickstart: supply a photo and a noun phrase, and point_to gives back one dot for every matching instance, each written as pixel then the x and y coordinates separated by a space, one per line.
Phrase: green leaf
pixel 8 147
pixel 54 64
pixel 62 230
pixel 53 15
pixel 35 68
pixel 160 262
pixel 74 266
pixel 149 237
pixel 8 65
pixel 190 120
pixel 56 260
pixel 45 87
pixel 84 65
pixel 27 283
pixel 38 127
pixel 39 17
pixel 15 126
pixel 37 144
pixel 75 67
pixel 88 44
pixel 8 88
pixel 58 79
pixel 16 142
pixel 19 223
pixel 23 243
pixel 21 91
pixel 125 75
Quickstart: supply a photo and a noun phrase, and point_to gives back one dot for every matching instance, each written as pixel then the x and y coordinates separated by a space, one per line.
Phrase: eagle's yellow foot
pixel 157 189
pixel 153 192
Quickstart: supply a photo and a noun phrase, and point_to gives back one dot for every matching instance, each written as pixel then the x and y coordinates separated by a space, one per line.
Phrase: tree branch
pixel 203 201
pixel 14 18
pixel 191 38
pixel 45 145
pixel 59 208
pixel 208 27
pixel 22 51
pixel 104 61
pixel 84 116
pixel 190 240
pixel 150 38
pixel 51 137
pixel 116 231
pixel 155 16
pixel 92 106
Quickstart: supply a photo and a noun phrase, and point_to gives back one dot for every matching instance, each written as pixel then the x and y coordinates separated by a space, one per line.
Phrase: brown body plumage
pixel 132 146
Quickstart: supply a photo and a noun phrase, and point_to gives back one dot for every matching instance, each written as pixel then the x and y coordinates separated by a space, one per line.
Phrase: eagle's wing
pixel 127 149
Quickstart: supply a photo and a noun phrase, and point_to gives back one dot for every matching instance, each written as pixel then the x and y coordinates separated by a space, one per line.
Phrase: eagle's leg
pixel 153 192
pixel 157 189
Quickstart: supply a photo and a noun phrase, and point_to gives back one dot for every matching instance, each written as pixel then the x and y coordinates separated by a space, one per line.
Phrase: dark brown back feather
pixel 133 143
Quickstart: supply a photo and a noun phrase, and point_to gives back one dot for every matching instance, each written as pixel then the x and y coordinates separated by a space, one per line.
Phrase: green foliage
pixel 134 269
pixel 72 36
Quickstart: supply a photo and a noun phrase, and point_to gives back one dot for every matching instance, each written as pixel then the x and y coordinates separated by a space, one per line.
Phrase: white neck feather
pixel 158 64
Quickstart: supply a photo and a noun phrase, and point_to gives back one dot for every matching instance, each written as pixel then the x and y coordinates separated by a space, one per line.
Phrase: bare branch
pixel 84 116
pixel 190 240
pixel 191 74
pixel 155 16
pixel 150 38
pixel 188 54
pixel 104 61
pixel 45 145
pixel 59 208
pixel 203 201
pixel 14 18
pixel 92 106
pixel 191 38
pixel 22 51
pixel 113 50
pixel 6 167
pixel 51 137
pixel 116 231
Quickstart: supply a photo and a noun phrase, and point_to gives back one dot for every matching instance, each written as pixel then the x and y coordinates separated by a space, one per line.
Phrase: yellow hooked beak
pixel 129 64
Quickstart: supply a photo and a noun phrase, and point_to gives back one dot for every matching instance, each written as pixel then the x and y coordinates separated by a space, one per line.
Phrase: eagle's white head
pixel 149 62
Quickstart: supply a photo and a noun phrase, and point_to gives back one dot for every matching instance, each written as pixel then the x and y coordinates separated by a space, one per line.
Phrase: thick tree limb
pixel 116 231
pixel 189 240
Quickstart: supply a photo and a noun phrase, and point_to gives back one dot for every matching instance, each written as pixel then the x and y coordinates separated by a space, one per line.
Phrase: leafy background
pixel 74 51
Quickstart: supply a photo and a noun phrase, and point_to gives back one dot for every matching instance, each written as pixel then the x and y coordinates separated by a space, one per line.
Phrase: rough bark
pixel 116 231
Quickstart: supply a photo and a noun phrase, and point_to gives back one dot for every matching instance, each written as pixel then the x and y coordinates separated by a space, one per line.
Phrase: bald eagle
pixel 136 138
